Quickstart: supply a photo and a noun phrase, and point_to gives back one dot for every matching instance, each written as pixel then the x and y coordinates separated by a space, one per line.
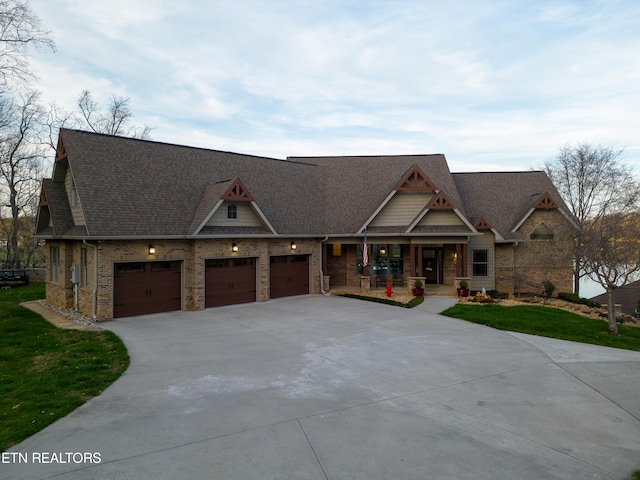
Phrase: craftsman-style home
pixel 135 227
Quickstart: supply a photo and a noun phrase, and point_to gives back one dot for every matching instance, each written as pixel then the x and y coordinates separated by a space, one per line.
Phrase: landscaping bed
pixel 597 313
pixel 402 299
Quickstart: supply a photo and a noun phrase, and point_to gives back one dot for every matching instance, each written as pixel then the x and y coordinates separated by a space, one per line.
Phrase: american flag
pixel 365 253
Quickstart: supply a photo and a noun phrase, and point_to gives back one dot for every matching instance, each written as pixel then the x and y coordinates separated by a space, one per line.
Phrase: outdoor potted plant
pixel 418 291
pixel 463 289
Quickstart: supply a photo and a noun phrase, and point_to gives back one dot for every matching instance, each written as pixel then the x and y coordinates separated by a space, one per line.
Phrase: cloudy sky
pixel 494 85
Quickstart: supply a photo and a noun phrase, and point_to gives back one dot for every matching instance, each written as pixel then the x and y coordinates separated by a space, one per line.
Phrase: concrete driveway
pixel 332 388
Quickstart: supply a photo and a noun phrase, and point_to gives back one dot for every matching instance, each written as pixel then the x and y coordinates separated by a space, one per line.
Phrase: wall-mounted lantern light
pixel 293 245
pixel 234 247
pixel 152 249
pixel 383 251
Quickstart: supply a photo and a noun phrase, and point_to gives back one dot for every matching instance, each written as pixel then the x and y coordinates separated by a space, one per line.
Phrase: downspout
pixel 513 269
pixel 95 279
pixel 322 290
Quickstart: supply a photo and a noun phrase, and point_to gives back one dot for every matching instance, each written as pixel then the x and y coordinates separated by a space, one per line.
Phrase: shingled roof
pixel 627 297
pixel 132 188
pixel 357 186
pixel 504 198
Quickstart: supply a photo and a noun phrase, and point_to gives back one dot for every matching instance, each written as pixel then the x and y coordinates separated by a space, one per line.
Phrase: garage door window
pixel 164 266
pixel 128 268
pixel 217 263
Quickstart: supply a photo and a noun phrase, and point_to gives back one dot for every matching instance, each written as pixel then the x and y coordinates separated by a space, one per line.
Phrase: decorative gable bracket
pixel 61 151
pixel 483 224
pixel 237 192
pixel 545 202
pixel 416 180
pixel 440 202
pixel 44 201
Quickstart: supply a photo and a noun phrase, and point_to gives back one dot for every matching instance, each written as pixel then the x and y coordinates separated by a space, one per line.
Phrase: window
pixel 74 194
pixel 164 266
pixel 232 211
pixel 542 233
pixel 380 259
pixel 396 262
pixel 55 264
pixel 387 258
pixel 129 268
pixel 337 249
pixel 480 263
pixel 84 267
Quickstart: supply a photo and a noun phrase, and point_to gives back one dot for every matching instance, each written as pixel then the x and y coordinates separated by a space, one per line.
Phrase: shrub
pixel 549 288
pixel 573 298
pixel 497 294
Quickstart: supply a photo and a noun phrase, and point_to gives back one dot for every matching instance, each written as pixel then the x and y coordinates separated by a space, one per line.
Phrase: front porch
pixel 440 266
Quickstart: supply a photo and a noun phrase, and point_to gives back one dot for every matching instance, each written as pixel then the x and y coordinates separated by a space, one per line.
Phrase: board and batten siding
pixel 402 209
pixel 74 203
pixel 246 216
pixel 483 242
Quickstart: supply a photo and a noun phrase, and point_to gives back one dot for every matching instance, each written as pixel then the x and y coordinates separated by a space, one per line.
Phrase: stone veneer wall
pixel 192 254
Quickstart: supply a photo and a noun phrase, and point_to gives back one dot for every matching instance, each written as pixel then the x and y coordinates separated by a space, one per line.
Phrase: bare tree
pixel 612 256
pixel 593 180
pixel 20 29
pixel 21 160
pixel 89 116
pixel 113 121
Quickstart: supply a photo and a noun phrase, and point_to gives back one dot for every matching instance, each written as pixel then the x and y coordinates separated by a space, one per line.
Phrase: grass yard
pixel 46 372
pixel 547 322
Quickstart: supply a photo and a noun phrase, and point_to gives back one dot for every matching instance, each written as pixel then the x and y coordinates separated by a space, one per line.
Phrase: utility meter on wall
pixel 74 273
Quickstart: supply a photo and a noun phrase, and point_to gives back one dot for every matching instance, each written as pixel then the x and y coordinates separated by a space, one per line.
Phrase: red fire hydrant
pixel 389 290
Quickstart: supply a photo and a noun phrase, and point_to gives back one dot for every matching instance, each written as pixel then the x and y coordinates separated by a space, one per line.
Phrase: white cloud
pixel 504 83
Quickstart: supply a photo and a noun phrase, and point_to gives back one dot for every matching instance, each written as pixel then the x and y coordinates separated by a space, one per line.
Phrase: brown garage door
pixel 146 287
pixel 229 281
pixel 289 275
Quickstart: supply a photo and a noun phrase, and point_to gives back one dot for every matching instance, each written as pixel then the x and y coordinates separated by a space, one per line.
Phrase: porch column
pixel 464 255
pixel 412 260
pixel 325 249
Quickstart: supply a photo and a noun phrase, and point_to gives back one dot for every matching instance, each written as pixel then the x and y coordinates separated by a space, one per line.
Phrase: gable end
pixel 545 202
pixel 237 192
pixel 440 202
pixel 483 224
pixel 43 196
pixel 414 180
pixel 61 151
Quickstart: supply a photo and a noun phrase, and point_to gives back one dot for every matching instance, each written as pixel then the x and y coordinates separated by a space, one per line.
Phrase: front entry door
pixel 431 265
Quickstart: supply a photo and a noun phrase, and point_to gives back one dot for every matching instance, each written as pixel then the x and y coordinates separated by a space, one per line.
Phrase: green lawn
pixel 547 322
pixel 46 372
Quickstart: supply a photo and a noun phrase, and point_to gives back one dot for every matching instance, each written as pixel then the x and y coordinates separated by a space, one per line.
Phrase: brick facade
pixel 521 268
pixel 191 253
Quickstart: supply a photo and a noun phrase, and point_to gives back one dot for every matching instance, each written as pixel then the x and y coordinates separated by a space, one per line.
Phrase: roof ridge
pixel 519 172
pixel 178 145
pixel 395 155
